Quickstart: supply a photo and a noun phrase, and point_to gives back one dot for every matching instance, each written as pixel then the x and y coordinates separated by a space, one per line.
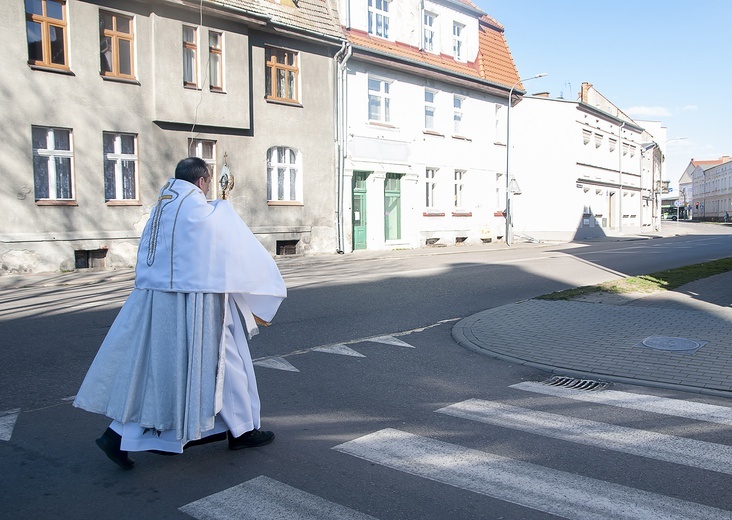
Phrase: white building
pixel 425 86
pixel 585 169
pixel 711 188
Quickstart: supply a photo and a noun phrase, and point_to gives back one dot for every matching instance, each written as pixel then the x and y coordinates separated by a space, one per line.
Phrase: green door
pixel 392 207
pixel 359 210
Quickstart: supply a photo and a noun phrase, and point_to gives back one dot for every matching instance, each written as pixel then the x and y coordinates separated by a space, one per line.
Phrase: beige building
pixel 101 99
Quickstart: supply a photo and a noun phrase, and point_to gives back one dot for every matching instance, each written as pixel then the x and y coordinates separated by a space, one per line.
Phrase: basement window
pixel 85 259
pixel 287 247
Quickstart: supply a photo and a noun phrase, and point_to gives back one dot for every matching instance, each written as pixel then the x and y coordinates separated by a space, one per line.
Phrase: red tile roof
pixel 712 162
pixel 494 62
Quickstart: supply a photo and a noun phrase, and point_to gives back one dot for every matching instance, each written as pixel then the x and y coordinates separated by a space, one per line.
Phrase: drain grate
pixel 577 384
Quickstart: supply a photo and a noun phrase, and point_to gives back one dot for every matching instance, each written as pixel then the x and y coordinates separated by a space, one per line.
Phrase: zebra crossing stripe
pixel 340 349
pixel 7 423
pixel 390 340
pixel 648 403
pixel 263 497
pixel 668 448
pixel 529 485
pixel 278 363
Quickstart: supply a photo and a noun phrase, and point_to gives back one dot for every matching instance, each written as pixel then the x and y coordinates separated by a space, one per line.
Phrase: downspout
pixel 421 25
pixel 620 177
pixel 341 59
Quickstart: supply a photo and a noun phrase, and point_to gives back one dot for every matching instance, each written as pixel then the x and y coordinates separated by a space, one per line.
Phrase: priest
pixel 175 369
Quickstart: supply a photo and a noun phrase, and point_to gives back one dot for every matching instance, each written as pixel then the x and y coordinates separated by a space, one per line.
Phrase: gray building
pixel 101 99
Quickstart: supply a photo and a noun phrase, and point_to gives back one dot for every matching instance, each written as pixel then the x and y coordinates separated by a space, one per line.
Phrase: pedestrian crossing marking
pixel 7 423
pixel 647 403
pixel 643 443
pixel 278 363
pixel 263 497
pixel 529 485
pixel 390 340
pixel 341 349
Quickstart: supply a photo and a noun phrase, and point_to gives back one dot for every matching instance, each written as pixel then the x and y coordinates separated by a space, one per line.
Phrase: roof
pixel 712 162
pixel 493 64
pixel 319 17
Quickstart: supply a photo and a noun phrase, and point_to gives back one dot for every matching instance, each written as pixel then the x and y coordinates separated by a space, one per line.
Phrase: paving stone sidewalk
pixel 604 341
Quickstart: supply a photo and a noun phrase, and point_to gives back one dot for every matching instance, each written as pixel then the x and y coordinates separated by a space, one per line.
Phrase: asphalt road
pixel 358 430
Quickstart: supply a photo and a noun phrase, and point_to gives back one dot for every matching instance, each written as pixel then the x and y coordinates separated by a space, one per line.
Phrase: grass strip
pixel 661 281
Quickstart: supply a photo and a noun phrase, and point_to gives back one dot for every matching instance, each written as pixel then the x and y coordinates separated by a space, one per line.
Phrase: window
pixel 53 160
pixel 458 200
pixel 116 45
pixel 611 143
pixel 282 75
pixel 430 187
pixel 379 18
pixel 586 134
pixel 216 60
pixel 500 135
pixel 45 25
pixel 392 207
pixel 458 51
pixel 429 109
pixel 284 177
pixel 429 32
pixel 457 114
pixel 598 140
pixel 206 150
pixel 379 100
pixel 190 56
pixel 120 166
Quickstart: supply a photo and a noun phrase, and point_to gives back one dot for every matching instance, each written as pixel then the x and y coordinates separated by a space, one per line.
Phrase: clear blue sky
pixel 657 60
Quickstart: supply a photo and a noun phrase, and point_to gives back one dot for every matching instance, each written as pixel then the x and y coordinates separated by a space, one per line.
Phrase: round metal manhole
pixel 674 344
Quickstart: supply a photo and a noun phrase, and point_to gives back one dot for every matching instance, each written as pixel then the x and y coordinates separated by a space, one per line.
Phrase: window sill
pixel 462 138
pixel 462 213
pixel 52 202
pixel 433 213
pixel 284 203
pixel 123 203
pixel 216 90
pixel 432 132
pixel 383 125
pixel 499 143
pixel 47 68
pixel 286 102
pixel 116 79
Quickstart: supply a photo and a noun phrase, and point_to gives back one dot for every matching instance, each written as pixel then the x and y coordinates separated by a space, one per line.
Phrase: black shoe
pixel 109 443
pixel 206 440
pixel 251 439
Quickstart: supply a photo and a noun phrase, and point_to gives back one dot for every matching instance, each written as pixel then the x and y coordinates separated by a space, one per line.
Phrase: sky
pixel 657 60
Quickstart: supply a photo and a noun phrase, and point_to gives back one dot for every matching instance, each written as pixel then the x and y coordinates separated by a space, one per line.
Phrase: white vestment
pixel 175 365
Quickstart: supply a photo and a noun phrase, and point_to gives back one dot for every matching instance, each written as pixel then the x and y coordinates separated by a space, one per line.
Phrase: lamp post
pixel 509 217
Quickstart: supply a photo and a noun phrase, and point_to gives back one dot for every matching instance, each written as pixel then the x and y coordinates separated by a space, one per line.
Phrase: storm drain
pixel 679 345
pixel 577 384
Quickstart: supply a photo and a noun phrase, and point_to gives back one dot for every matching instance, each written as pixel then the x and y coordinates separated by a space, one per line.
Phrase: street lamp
pixel 509 217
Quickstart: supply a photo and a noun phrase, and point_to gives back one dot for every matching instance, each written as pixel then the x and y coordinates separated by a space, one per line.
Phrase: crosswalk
pixel 526 484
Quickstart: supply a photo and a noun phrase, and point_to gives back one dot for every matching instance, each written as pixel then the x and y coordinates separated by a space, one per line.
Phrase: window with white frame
pixel 429 109
pixel 379 100
pixel 45 25
pixel 430 184
pixel 500 128
pixel 611 143
pixel 459 185
pixel 117 41
pixel 379 18
pixel 457 114
pixel 429 43
pixel 53 163
pixel 120 166
pixel 458 41
pixel 216 60
pixel 284 175
pixel 206 149
pixel 190 56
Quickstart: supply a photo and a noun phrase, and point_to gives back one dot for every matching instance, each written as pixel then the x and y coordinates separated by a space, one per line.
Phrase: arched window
pixel 284 174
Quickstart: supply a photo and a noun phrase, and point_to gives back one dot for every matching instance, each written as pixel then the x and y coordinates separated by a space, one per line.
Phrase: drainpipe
pixel 341 59
pixel 620 177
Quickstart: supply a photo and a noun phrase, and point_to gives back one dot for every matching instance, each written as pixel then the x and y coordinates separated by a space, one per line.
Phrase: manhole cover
pixel 672 344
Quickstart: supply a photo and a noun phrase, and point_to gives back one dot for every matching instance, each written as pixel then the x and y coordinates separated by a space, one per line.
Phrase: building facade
pixel 101 99
pixel 711 186
pixel 424 89
pixel 585 169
